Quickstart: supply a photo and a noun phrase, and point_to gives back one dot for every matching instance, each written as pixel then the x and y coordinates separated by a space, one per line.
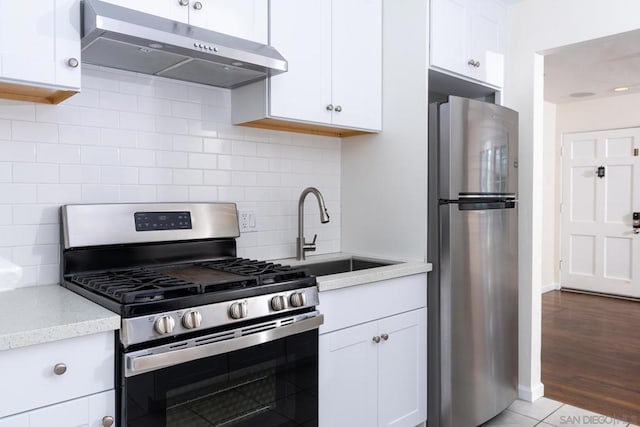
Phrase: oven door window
pixel 270 385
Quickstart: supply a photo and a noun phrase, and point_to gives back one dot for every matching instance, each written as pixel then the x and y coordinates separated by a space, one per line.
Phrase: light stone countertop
pixel 360 277
pixel 41 314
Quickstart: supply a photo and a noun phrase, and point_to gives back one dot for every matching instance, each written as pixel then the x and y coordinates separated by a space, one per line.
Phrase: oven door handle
pixel 135 365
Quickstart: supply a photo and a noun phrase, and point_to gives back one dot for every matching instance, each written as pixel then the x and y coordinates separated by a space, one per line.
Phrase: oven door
pixel 264 377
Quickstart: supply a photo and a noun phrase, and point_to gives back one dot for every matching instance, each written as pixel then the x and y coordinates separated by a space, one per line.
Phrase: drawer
pixel 354 305
pixel 29 379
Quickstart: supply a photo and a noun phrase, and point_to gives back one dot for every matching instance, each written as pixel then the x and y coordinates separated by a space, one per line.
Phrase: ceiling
pixel 594 67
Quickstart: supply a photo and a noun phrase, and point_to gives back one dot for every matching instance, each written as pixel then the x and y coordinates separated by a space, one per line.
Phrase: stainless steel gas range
pixel 207 338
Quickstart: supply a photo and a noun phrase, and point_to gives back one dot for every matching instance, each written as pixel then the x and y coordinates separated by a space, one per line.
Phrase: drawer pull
pixel 107 421
pixel 59 369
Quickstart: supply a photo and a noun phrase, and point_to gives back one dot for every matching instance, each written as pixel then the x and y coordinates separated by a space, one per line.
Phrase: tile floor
pixel 546 412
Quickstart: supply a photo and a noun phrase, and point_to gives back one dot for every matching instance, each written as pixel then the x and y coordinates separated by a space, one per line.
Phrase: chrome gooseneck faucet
pixel 301 245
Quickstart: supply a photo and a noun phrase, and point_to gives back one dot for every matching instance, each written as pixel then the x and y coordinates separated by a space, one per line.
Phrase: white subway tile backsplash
pixel 100 193
pixel 35 255
pixel 173 193
pixel 34 132
pixel 186 110
pixel 203 161
pixel 172 125
pixel 187 177
pixel 5 171
pixel 137 193
pixel 18 193
pixel 155 176
pixel 79 135
pixel 137 157
pixel 187 143
pixel 171 159
pixel 217 177
pixel 99 117
pixel 59 193
pixel 5 130
pixel 99 155
pixel 79 174
pixel 118 138
pixel 57 153
pixel 15 110
pixel 118 101
pixel 118 175
pixel 36 214
pixel 134 138
pixel 137 121
pixel 218 146
pixel 35 173
pixel 203 194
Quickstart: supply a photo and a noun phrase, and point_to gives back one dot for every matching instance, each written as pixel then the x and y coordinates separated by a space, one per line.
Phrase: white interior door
pixel 599 249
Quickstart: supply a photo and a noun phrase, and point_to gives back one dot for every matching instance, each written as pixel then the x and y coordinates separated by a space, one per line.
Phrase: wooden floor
pixel 591 353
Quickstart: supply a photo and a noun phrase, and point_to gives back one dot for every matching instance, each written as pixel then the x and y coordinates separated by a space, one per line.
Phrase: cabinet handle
pixel 183 2
pixel 384 336
pixel 73 62
pixel 474 63
pixel 338 108
pixel 197 5
pixel 59 368
pixel 376 339
pixel 107 421
pixel 477 64
pixel 330 107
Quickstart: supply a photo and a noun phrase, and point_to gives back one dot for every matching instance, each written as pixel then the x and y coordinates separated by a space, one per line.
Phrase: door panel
pixel 478 285
pixel 598 244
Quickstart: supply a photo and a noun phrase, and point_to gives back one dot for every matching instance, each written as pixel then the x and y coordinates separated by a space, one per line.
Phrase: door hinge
pixel 560 206
pixel 560 265
pixel 635 152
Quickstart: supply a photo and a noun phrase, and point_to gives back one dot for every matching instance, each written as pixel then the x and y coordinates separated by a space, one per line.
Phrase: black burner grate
pixel 151 284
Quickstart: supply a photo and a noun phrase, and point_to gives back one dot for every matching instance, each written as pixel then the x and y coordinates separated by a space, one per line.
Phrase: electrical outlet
pixel 247 221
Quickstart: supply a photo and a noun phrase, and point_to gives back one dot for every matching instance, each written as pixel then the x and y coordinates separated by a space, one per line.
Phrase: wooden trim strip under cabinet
pixel 275 124
pixel 39 94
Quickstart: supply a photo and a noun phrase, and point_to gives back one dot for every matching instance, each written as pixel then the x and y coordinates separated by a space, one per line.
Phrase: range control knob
pixel 238 310
pixel 297 299
pixel 278 303
pixel 191 319
pixel 164 324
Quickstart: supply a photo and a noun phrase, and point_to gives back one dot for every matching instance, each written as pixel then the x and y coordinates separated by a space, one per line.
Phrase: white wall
pixel 384 176
pixel 551 189
pixel 536 26
pixel 134 138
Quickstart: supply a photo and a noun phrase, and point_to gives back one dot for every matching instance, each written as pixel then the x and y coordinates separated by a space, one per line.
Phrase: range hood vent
pixel 117 37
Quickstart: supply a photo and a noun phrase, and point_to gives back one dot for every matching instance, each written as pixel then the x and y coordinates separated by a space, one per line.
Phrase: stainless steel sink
pixel 325 268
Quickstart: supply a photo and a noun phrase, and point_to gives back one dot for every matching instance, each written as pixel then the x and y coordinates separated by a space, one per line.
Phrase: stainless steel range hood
pixel 114 36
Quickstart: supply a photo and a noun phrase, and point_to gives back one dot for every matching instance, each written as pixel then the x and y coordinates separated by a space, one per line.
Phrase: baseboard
pixel 550 287
pixel 531 394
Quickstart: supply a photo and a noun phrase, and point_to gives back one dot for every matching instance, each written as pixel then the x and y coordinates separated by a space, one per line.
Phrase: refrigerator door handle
pixel 474 196
pixel 480 206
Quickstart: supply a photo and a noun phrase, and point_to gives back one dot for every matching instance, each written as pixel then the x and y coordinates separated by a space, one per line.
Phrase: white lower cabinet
pixel 66 383
pixel 373 373
pixel 90 411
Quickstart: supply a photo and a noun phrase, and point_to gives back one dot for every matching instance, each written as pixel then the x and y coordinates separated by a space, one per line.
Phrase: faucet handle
pixel 313 242
pixel 310 246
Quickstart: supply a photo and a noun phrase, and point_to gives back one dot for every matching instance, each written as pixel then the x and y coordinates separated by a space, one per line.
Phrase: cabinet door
pixel 67 26
pixel 348 372
pixel 27 41
pixel 449 35
pixel 87 411
pixel 170 9
pixel 486 41
pixel 247 19
pixel 402 365
pixel 357 63
pixel 300 30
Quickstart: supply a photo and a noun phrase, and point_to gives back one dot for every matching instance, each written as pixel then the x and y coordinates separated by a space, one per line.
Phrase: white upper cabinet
pixel 40 50
pixel 247 19
pixel 467 38
pixel 334 82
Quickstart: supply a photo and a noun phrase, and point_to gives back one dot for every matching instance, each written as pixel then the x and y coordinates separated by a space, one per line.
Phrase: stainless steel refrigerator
pixel 473 245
